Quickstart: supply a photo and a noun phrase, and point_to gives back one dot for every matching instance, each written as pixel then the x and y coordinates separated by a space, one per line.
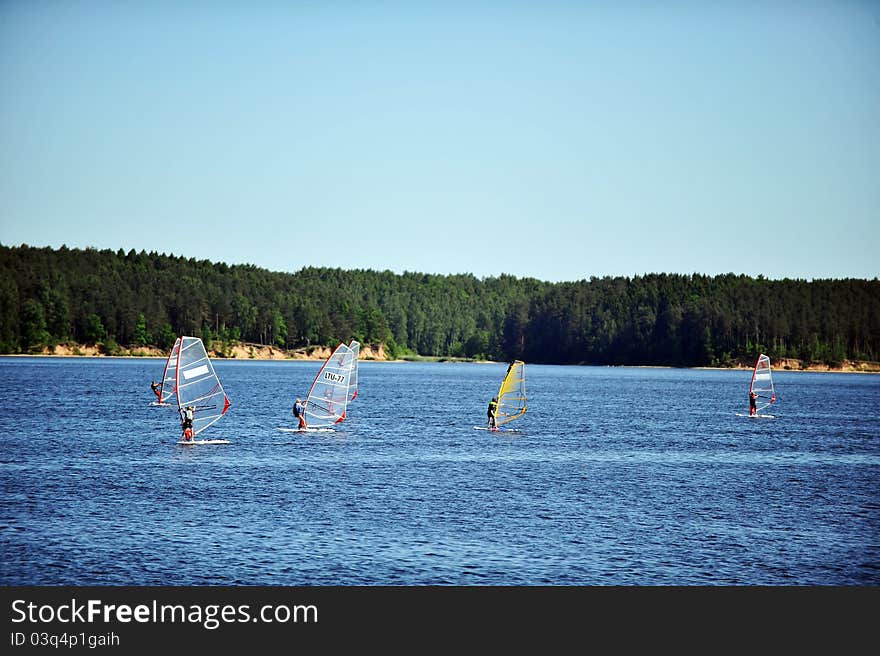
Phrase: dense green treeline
pixel 50 296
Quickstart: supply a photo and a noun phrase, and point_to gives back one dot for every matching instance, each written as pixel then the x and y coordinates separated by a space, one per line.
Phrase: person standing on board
pixel 156 390
pixel 328 400
pixel 300 413
pixel 187 416
pixel 753 408
pixel 491 421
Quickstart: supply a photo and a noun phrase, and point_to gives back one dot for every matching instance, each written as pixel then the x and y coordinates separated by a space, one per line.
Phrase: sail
pixel 197 383
pixel 512 395
pixel 168 387
pixel 328 396
pixel 762 383
pixel 353 381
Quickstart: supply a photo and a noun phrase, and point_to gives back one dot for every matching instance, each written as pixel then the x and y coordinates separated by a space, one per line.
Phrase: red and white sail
pixel 168 387
pixel 353 381
pixel 328 396
pixel 197 384
pixel 762 383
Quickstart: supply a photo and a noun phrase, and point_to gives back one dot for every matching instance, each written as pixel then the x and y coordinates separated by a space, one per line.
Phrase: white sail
pixel 353 381
pixel 168 387
pixel 328 396
pixel 762 383
pixel 197 384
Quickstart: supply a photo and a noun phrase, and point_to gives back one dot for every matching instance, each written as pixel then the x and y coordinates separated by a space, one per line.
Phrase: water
pixel 620 476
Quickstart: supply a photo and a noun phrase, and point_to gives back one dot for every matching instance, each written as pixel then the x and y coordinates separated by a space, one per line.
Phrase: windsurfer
pixel 187 415
pixel 753 408
pixel 328 399
pixel 491 421
pixel 300 413
pixel 156 390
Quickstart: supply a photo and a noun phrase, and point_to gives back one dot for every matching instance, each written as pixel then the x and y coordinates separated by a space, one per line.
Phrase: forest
pixel 111 298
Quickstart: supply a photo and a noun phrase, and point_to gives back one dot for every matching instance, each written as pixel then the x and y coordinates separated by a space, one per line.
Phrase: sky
pixel 554 140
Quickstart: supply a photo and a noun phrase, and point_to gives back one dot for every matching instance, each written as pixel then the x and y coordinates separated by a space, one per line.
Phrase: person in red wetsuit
pixel 300 413
pixel 187 416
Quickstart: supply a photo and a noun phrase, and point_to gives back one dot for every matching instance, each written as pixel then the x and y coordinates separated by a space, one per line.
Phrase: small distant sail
pixel 168 387
pixel 197 384
pixel 328 396
pixel 762 383
pixel 512 395
pixel 353 381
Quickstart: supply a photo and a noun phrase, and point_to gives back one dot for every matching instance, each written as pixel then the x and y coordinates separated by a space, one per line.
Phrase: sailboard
pixel 762 386
pixel 511 397
pixel 201 442
pixel 353 379
pixel 305 430
pixel 196 385
pixel 328 397
pixel 168 386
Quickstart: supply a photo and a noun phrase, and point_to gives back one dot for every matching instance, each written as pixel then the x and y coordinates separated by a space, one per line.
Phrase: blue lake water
pixel 620 476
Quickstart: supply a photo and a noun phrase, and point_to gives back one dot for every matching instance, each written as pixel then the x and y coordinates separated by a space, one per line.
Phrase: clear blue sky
pixel 558 140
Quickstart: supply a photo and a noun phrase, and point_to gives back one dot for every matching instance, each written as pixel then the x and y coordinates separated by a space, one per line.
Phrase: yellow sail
pixel 512 395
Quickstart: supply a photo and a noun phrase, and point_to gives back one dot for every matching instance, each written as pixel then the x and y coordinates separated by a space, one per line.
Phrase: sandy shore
pixel 793 364
pixel 241 351
pixel 376 352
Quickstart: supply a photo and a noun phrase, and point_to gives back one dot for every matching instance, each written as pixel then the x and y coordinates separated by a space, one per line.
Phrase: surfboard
pixel 742 414
pixel 157 404
pixel 307 430
pixel 201 442
pixel 497 430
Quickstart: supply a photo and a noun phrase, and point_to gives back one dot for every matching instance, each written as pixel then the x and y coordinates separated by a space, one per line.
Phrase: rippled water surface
pixel 620 476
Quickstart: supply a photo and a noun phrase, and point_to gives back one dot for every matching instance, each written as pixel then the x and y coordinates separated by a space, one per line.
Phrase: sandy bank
pixel 245 351
pixel 240 351
pixel 376 352
pixel 793 364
